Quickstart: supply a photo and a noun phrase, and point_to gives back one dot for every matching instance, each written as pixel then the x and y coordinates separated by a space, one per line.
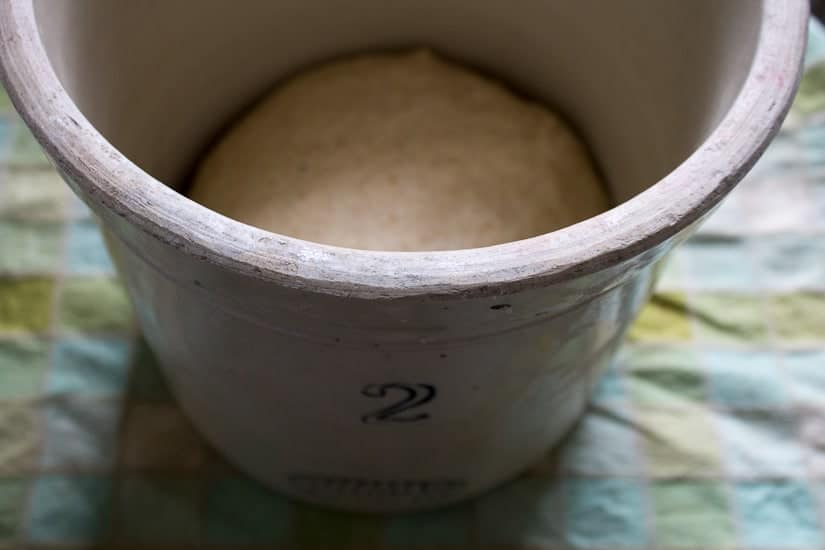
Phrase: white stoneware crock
pixel 386 381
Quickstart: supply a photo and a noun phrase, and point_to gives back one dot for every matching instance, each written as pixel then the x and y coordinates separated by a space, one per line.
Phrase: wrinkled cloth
pixel 707 433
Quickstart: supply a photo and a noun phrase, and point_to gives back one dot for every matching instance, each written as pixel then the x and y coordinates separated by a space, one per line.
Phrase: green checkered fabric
pixel 709 432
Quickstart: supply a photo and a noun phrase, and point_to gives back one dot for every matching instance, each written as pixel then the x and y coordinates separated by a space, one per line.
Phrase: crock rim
pixel 111 182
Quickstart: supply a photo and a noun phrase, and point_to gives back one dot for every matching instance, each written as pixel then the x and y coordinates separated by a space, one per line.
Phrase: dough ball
pixel 400 152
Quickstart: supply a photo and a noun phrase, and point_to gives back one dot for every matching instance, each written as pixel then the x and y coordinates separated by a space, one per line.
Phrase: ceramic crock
pixel 382 381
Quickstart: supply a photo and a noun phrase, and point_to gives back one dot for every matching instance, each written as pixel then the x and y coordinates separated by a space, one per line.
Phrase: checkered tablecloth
pixel 708 433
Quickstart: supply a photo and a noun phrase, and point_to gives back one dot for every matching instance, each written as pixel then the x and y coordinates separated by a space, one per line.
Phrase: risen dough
pixel 400 152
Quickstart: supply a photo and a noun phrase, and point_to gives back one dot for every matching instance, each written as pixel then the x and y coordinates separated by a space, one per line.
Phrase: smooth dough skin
pixel 400 152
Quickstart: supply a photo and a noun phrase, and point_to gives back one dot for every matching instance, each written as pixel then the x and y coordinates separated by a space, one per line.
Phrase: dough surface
pixel 400 152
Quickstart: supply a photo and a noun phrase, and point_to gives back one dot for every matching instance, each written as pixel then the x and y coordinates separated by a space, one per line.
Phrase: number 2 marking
pixel 416 395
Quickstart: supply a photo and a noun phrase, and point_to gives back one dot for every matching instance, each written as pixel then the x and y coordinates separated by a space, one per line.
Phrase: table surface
pixel 709 432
